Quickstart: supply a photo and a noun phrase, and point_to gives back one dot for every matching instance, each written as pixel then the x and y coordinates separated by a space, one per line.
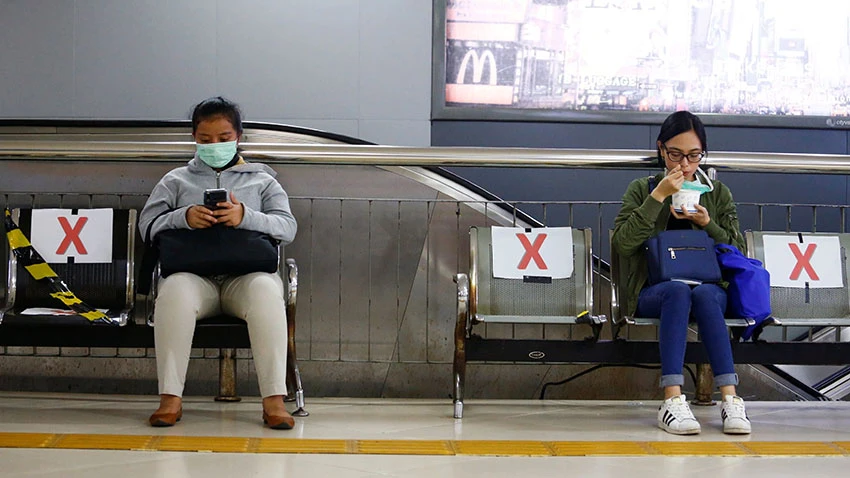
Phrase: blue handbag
pixel 748 294
pixel 685 255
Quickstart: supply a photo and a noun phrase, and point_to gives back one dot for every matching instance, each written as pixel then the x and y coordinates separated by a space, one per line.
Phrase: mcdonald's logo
pixel 480 89
pixel 478 64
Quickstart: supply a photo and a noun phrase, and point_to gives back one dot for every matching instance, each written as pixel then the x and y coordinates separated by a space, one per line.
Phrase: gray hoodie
pixel 254 185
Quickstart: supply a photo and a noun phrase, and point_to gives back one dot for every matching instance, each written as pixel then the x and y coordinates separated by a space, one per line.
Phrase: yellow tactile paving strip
pixel 421 447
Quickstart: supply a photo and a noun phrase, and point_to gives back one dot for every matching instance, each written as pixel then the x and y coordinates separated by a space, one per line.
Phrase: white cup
pixel 687 198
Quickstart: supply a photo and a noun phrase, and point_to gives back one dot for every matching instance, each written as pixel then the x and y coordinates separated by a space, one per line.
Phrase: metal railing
pixel 374 155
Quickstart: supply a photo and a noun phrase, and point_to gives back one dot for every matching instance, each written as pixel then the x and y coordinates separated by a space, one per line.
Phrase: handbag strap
pixel 150 257
pixel 148 238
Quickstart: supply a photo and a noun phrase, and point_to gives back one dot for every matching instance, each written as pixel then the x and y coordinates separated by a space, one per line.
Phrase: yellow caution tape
pixel 32 261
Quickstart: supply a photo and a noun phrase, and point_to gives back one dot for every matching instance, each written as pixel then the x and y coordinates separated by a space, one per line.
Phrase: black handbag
pixel 685 255
pixel 216 250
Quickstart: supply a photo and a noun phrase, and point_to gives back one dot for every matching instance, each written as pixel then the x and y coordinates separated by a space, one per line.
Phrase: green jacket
pixel 641 217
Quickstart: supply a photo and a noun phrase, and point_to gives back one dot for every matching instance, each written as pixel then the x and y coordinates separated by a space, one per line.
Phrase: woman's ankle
pixel 170 402
pixel 274 403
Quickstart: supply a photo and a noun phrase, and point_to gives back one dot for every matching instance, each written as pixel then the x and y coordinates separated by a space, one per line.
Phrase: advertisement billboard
pixel 760 62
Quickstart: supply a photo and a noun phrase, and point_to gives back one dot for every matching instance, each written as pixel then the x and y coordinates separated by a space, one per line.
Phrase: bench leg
pixel 461 325
pixel 704 385
pixel 293 375
pixel 458 399
pixel 459 369
pixel 227 377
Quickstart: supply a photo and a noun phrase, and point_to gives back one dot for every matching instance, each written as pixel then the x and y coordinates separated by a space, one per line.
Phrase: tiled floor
pixel 822 426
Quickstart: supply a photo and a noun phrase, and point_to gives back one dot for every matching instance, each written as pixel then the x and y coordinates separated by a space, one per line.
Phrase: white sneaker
pixel 674 416
pixel 734 416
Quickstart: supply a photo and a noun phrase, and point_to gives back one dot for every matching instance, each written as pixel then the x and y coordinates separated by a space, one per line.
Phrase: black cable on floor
pixel 597 367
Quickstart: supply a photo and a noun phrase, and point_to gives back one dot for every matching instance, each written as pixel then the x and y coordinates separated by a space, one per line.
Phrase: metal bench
pixel 804 306
pixel 105 285
pixel 111 286
pixel 483 299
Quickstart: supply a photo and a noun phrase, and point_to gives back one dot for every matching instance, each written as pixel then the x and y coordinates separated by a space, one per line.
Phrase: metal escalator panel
pixel 832 382
pixel 837 385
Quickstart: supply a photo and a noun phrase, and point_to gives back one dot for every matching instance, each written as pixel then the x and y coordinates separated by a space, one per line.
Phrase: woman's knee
pixel 676 290
pixel 179 292
pixel 705 294
pixel 262 286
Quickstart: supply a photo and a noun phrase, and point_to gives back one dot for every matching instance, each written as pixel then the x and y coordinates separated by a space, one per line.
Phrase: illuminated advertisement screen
pixel 760 62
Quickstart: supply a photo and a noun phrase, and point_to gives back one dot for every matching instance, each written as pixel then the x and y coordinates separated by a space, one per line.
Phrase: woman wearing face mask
pixel 257 203
pixel 681 145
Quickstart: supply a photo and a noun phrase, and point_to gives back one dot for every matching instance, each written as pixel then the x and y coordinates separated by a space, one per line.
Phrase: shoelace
pixel 680 410
pixel 735 408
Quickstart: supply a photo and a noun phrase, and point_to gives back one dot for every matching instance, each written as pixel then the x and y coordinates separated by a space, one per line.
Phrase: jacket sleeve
pixel 275 219
pixel 161 200
pixel 724 227
pixel 636 221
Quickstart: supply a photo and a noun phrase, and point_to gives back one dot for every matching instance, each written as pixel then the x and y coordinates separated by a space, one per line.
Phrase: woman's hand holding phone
pixel 199 217
pixel 229 213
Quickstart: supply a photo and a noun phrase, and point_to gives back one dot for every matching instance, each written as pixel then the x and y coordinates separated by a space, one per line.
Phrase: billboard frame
pixel 440 111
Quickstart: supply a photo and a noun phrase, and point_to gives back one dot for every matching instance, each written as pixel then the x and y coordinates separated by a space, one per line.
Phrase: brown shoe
pixel 165 419
pixel 279 422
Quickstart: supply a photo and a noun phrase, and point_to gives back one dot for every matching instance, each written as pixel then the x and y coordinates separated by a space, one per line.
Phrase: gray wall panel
pixel 292 59
pixel 396 132
pixel 386 253
pixel 301 247
pixel 395 79
pixel 343 127
pixel 150 59
pixel 355 281
pixel 355 67
pixel 412 327
pixel 36 59
pixel 325 286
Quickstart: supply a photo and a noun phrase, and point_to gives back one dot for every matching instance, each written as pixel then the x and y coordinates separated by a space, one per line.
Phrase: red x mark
pixel 72 234
pixel 532 251
pixel 803 261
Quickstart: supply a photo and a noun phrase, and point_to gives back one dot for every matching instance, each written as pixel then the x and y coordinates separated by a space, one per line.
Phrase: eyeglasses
pixel 676 155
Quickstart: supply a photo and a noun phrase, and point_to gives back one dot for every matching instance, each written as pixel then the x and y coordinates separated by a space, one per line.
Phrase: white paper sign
pixel 86 236
pixel 543 252
pixel 816 261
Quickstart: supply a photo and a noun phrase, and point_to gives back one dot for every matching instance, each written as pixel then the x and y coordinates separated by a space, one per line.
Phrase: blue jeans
pixel 676 303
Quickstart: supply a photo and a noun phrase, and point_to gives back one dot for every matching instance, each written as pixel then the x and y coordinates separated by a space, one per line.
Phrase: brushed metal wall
pixel 377 247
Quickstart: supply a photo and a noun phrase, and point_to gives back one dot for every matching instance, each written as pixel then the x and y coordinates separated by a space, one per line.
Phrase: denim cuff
pixel 726 379
pixel 672 380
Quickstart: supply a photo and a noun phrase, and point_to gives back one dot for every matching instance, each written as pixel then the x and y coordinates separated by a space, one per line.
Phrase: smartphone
pixel 214 196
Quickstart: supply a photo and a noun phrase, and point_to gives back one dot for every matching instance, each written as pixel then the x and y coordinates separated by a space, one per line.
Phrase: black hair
pixel 678 123
pixel 217 106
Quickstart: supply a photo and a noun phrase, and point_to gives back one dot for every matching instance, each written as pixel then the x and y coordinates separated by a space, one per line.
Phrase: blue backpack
pixel 748 295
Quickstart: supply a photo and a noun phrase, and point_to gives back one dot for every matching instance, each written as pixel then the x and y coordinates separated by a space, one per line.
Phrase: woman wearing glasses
pixel 646 211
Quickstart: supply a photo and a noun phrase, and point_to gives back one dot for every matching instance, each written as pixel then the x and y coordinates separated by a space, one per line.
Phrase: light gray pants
pixel 183 298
